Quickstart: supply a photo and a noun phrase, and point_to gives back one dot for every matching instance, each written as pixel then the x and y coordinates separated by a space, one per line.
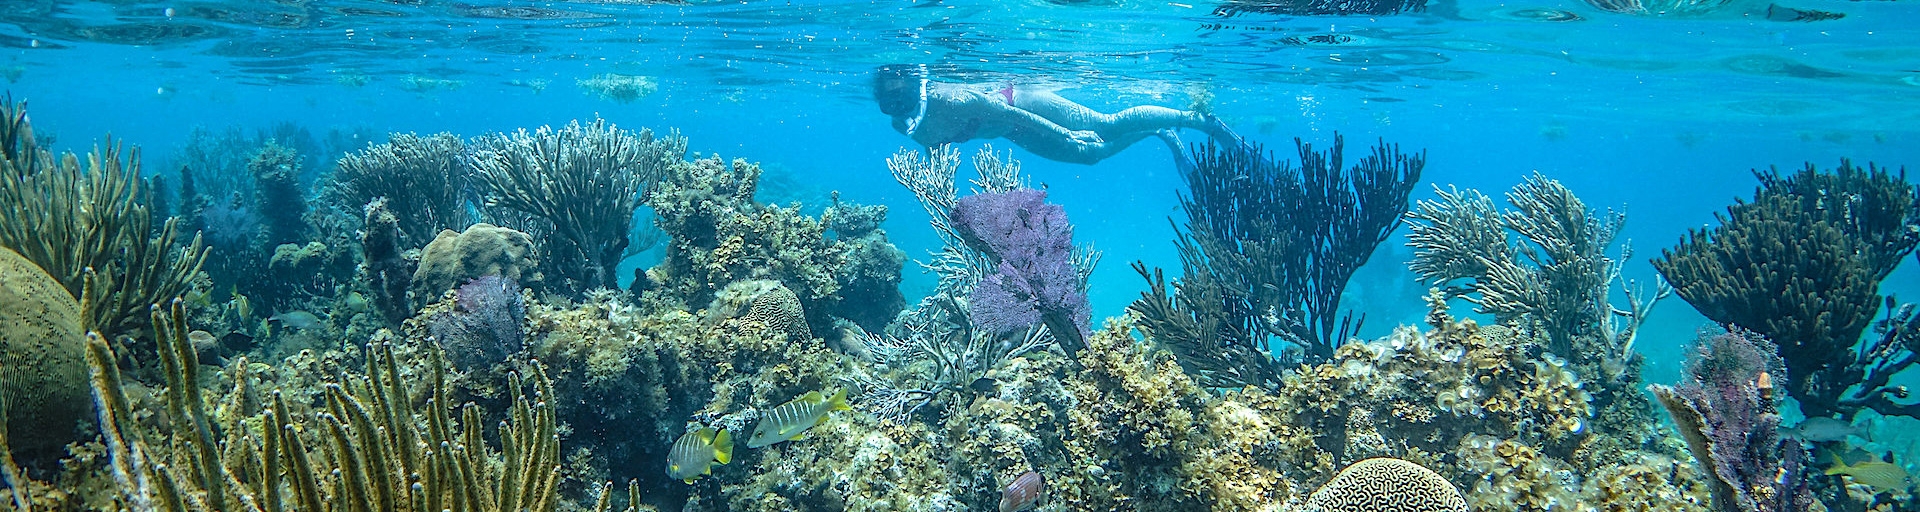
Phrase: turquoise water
pixel 1663 117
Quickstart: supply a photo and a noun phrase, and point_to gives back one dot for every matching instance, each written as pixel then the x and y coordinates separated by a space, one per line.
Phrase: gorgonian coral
pixel 1033 280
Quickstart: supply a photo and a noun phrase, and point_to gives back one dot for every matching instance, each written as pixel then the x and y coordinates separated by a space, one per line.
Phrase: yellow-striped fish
pixel 1873 472
pixel 791 419
pixel 694 454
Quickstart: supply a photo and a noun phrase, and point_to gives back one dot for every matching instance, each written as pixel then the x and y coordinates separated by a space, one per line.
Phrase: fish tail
pixel 723 447
pixel 1838 467
pixel 839 401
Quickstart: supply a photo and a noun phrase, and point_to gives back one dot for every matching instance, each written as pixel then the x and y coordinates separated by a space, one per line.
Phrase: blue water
pixel 1662 117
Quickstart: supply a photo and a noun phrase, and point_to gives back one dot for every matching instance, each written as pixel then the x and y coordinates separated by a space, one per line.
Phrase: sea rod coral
pixel 1266 253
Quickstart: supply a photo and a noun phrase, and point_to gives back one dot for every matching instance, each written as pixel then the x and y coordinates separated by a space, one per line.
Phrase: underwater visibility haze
pixel 1037 255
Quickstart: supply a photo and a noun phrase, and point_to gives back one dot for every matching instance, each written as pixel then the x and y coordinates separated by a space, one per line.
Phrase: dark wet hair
pixel 896 88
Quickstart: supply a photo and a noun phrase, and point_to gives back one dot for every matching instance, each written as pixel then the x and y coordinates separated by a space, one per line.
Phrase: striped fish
pixel 791 419
pixel 694 454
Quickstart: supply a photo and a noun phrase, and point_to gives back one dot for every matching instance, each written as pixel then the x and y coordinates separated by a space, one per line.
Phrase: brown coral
pixel 1387 484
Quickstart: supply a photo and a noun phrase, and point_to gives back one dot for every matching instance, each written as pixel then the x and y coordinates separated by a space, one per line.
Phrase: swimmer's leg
pixel 1181 161
pixel 1136 122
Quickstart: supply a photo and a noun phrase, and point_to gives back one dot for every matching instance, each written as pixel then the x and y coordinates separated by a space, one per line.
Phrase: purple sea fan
pixel 1034 280
pixel 1023 492
pixel 485 325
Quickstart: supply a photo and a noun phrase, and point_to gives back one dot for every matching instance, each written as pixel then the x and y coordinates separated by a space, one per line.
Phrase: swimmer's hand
pixel 1085 136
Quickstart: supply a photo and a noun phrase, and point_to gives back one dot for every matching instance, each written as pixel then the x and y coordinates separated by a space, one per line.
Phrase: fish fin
pixel 689 481
pixel 838 402
pixel 705 435
pixel 810 397
pixel 723 447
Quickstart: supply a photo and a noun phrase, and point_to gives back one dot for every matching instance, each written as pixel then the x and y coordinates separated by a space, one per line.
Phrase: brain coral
pixel 1387 484
pixel 764 302
pixel 41 360
pixel 453 258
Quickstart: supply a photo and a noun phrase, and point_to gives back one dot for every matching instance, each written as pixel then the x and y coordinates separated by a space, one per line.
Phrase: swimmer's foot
pixel 1221 132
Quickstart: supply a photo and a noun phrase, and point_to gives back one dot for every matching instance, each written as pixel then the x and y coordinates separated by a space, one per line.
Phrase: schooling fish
pixel 790 420
pixel 694 454
pixel 1875 473
pixel 1821 429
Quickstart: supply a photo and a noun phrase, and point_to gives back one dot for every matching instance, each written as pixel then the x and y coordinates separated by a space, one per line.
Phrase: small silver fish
pixel 695 453
pixel 1826 430
pixel 791 419
pixel 297 320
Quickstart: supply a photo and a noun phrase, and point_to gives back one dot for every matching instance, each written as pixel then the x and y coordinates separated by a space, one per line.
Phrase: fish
pixel 1023 492
pixel 792 419
pixel 297 319
pixel 695 453
pixel 1826 430
pixel 1873 472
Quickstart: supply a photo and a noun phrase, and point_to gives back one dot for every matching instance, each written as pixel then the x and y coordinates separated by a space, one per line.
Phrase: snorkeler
pixel 1037 120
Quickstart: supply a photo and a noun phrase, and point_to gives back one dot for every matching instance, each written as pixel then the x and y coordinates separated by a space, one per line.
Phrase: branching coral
pixel 1727 410
pixel 369 448
pixel 1267 251
pixel 73 221
pixel 1557 272
pixel 423 179
pixel 1801 265
pixel 582 182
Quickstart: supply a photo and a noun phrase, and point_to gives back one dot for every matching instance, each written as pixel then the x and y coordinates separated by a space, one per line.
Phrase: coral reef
pixel 1543 262
pixel 423 179
pixel 276 181
pixel 91 223
pixel 1267 251
pixel 1385 484
pixel 43 377
pixel 578 185
pixel 1727 410
pixel 482 250
pixel 1801 265
pixel 385 271
pixel 721 235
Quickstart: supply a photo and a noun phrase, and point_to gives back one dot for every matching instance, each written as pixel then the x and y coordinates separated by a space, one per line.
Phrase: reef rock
pixel 483 249
pixel 43 371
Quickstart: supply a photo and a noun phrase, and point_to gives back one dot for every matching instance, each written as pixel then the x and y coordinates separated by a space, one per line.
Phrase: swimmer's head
pixel 896 88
